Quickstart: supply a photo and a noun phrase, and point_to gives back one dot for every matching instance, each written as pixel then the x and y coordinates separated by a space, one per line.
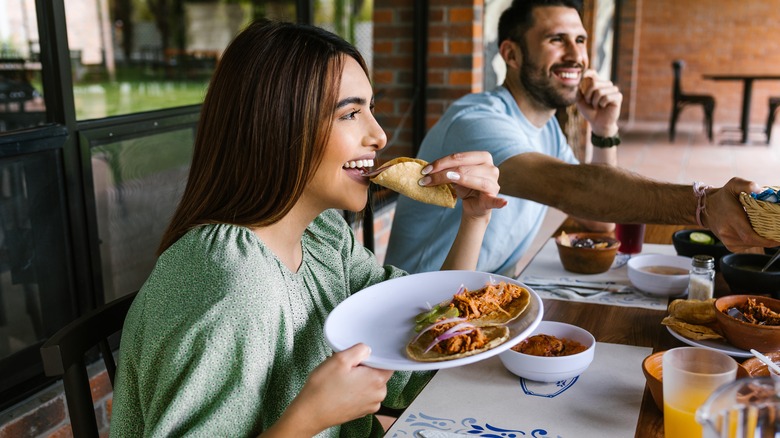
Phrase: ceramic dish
pixel 712 344
pixel 652 274
pixel 382 317
pixel 552 369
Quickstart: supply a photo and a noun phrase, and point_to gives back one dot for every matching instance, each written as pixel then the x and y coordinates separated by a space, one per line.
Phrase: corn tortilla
pixel 416 350
pixel 401 175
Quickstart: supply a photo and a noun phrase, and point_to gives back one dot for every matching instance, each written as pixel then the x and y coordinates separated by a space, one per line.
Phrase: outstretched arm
pixel 612 194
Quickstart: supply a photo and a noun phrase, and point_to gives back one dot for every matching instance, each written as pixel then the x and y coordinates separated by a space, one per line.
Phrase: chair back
pixel 63 355
pixel 677 66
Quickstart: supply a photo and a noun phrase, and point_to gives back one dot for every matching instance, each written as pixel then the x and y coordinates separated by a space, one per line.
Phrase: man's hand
pixel 599 102
pixel 725 216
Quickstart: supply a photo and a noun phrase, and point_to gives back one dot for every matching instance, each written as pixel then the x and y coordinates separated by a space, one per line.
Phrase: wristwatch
pixel 604 142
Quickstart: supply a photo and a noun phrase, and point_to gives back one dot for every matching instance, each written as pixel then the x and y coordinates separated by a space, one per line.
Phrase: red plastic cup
pixel 631 237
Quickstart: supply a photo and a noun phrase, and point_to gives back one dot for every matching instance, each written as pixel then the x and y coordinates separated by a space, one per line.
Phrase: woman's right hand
pixel 337 391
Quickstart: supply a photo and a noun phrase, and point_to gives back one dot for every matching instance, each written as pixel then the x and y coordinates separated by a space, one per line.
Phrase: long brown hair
pixel 263 126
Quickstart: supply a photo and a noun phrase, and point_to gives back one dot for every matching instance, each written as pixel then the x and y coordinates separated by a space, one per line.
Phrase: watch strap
pixel 604 142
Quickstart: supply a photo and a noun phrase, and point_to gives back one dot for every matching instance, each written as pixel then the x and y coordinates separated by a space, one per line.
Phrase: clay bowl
pixel 685 247
pixel 756 368
pixel 743 334
pixel 587 260
pixel 653 368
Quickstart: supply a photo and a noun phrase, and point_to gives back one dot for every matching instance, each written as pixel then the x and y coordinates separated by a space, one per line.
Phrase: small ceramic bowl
pixel 742 273
pixel 659 274
pixel 756 368
pixel 686 247
pixel 587 260
pixel 743 334
pixel 653 369
pixel 552 369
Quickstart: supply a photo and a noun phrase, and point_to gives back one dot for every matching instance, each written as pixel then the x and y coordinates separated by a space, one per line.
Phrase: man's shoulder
pixel 497 100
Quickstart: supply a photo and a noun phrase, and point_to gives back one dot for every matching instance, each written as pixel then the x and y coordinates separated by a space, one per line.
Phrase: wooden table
pixel 747 91
pixel 628 326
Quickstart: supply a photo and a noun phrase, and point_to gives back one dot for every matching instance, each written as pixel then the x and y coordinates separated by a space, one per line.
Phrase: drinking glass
pixel 631 237
pixel 746 408
pixel 690 375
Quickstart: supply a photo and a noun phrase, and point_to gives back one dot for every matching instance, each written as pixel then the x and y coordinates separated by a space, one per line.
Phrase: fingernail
pixel 453 176
pixel 424 181
pixel 427 169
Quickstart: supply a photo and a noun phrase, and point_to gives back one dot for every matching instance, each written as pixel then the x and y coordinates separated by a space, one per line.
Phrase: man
pixel 544 46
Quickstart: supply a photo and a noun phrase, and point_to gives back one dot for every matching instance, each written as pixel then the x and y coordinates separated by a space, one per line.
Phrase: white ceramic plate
pixel 382 317
pixel 712 344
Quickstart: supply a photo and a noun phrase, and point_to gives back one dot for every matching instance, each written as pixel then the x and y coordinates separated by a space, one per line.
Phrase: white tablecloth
pixel 484 399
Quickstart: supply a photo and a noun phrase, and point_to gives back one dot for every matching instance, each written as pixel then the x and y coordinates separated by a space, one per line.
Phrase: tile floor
pixel 646 150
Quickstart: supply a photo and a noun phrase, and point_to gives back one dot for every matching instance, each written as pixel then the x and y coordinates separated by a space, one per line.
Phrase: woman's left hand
pixel 474 178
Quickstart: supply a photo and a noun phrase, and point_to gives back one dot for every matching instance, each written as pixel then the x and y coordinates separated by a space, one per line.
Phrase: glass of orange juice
pixel 690 375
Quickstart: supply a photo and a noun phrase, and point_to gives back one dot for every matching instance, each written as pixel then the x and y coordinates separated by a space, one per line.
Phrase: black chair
pixel 63 355
pixel 774 103
pixel 681 100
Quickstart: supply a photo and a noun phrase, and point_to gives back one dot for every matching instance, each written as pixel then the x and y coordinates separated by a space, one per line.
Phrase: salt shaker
pixel 702 281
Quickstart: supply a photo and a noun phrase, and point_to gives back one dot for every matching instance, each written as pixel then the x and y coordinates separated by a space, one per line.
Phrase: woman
pixel 225 337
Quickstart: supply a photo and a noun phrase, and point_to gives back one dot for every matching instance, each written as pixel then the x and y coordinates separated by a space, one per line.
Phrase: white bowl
pixel 659 284
pixel 552 369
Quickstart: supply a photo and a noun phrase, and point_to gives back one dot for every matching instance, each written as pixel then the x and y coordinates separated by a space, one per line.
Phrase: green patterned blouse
pixel 222 336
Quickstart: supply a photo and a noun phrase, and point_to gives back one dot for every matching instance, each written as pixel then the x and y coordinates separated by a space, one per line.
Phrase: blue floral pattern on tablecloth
pixel 467 426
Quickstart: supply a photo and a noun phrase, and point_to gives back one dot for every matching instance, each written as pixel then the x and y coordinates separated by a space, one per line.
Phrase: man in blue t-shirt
pixel 544 46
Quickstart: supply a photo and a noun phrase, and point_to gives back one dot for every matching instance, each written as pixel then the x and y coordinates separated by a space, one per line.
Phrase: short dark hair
pixel 518 17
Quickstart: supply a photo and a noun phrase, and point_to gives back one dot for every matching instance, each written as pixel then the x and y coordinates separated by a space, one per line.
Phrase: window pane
pixel 350 19
pixel 21 93
pixel 138 183
pixel 282 10
pixel 33 278
pixel 137 56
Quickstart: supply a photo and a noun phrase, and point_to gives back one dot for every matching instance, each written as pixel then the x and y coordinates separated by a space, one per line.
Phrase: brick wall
pixel 45 414
pixel 454 61
pixel 711 36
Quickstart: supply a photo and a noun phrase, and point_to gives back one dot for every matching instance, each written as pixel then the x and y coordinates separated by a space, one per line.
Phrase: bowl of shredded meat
pixel 554 351
pixel 749 321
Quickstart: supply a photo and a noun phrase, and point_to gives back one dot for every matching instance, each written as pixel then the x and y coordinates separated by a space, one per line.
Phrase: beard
pixel 540 87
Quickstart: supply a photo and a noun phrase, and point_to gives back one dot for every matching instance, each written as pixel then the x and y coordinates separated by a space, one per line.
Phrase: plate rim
pixel 412 365
pixel 693 343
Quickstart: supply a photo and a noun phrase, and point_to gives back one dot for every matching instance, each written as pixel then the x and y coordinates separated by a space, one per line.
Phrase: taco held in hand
pixel 401 175
pixel 470 323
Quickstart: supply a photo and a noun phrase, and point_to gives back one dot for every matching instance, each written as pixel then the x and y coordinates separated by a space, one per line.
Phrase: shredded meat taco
pixel 401 175
pixel 453 340
pixel 470 323
pixel 493 304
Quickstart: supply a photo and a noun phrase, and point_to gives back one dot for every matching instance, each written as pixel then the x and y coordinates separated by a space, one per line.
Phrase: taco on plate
pixel 453 340
pixel 401 175
pixel 470 323
pixel 493 304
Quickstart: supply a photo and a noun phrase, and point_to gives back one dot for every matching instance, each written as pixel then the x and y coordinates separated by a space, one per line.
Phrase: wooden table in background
pixel 747 92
